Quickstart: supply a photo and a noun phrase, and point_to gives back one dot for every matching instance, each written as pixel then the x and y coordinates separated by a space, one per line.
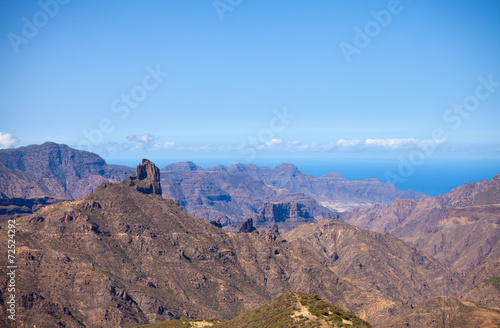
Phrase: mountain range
pixel 128 253
pixel 229 194
pixel 123 255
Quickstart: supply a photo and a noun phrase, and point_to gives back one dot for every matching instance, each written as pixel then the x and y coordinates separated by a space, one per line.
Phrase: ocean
pixel 433 176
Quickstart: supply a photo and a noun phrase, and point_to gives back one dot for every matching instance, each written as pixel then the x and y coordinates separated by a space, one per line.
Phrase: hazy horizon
pixel 407 89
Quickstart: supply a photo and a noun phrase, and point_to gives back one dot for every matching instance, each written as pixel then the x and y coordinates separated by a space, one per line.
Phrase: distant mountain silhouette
pixel 54 170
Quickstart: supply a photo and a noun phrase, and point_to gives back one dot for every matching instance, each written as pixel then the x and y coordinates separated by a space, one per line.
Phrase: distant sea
pixel 433 177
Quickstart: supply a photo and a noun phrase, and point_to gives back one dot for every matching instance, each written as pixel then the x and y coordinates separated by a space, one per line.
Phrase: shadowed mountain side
pixel 11 208
pixel 121 257
pixel 54 170
pixel 292 310
pixel 461 228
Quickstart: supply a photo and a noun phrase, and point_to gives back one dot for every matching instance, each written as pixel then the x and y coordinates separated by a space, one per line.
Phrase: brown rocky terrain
pixel 54 170
pixel 124 256
pixel 378 263
pixel 449 312
pixel 483 285
pixel 461 228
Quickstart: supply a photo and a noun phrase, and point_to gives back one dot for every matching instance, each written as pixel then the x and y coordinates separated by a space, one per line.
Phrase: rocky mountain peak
pixel 287 167
pixel 333 176
pixel 147 178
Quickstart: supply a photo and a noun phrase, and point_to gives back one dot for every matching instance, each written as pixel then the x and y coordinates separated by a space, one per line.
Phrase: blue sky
pixel 253 81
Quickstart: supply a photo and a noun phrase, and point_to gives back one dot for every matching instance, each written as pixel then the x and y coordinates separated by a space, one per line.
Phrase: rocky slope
pixel 449 312
pixel 378 263
pixel 483 285
pixel 124 256
pixel 461 228
pixel 290 310
pixel 54 170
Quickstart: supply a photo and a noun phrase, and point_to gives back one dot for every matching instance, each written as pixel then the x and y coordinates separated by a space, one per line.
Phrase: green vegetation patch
pixel 180 323
pixel 492 281
pixel 297 310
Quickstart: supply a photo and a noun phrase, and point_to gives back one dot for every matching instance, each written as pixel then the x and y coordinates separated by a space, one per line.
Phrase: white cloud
pixel 390 144
pixel 386 144
pixel 149 142
pixel 343 144
pixel 271 144
pixel 169 144
pixel 143 141
pixel 142 138
pixel 7 140
pixel 308 146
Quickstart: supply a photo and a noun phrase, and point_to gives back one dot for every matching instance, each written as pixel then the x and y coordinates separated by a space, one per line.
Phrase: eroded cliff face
pixel 286 215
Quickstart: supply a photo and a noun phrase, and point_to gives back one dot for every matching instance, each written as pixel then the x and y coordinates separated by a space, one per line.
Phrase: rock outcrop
pixel 147 179
pixel 275 229
pixel 247 226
